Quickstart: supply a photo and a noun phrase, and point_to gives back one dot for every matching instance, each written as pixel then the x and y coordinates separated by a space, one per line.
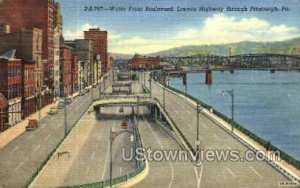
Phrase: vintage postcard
pixel 150 93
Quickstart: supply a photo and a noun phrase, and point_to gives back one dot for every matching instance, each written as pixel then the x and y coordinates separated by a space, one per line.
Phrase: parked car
pixel 53 110
pixel 81 93
pixel 61 105
pixel 87 90
pixel 94 85
pixel 68 101
pixel 32 125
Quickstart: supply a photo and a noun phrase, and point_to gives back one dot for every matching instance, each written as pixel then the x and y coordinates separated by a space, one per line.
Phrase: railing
pixel 286 157
pixel 177 129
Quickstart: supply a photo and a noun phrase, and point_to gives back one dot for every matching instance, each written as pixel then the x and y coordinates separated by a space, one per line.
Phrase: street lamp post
pixel 164 97
pixel 197 137
pixel 150 85
pixel 100 84
pixel 231 93
pixel 65 118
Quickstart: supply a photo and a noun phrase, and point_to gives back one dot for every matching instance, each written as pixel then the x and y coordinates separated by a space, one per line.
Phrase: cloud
pixel 79 33
pixel 217 29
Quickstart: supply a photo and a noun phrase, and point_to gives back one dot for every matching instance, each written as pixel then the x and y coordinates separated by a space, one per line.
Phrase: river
pixel 266 104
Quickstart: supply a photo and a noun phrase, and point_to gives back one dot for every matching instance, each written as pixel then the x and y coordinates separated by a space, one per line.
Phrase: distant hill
pixel 282 47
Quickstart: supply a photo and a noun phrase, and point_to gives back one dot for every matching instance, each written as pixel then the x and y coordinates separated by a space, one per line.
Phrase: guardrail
pixel 284 156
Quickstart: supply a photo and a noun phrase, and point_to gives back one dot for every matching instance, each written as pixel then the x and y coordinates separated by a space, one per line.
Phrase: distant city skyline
pixel 148 31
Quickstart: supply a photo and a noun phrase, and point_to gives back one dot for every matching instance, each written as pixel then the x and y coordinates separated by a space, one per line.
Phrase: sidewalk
pixel 13 132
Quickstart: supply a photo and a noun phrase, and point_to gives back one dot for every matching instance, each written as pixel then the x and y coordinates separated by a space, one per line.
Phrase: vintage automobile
pixel 53 110
pixel 32 125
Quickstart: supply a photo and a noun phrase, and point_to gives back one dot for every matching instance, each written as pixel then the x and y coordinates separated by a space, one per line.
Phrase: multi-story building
pixel 65 70
pixel 56 68
pixel 29 94
pixel 10 84
pixel 99 39
pixel 84 49
pixel 74 71
pixel 4 28
pixel 3 113
pixel 28 45
pixel 42 14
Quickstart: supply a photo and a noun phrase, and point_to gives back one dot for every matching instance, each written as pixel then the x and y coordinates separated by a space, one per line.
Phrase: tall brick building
pixel 99 39
pixel 10 84
pixel 42 14
pixel 74 72
pixel 29 99
pixel 28 45
pixel 65 70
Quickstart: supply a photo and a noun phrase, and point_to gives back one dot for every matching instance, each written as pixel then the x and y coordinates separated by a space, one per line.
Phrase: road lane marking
pixel 15 149
pixel 228 169
pixel 57 126
pixel 47 137
pixel 258 174
pixel 42 125
pixel 120 171
pixel 216 137
pixel 92 155
pixel 19 165
pixel 37 147
pixel 29 137
pixel 199 177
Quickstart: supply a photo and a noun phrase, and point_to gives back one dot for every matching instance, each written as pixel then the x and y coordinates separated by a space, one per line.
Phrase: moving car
pixel 67 101
pixel 32 125
pixel 53 110
pixel 61 105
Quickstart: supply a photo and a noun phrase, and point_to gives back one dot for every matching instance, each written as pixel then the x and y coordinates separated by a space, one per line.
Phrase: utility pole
pixel 231 93
pixel 164 97
pixel 65 118
pixel 150 85
pixel 100 84
pixel 110 150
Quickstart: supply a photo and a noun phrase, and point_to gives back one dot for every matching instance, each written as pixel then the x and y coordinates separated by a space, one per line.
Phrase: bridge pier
pixel 184 80
pixel 231 71
pixel 272 70
pixel 208 77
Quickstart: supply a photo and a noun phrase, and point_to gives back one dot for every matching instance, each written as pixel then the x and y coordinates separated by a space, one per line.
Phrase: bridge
pixel 258 60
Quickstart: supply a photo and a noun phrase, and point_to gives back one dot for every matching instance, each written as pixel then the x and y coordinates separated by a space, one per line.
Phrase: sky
pixel 147 32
